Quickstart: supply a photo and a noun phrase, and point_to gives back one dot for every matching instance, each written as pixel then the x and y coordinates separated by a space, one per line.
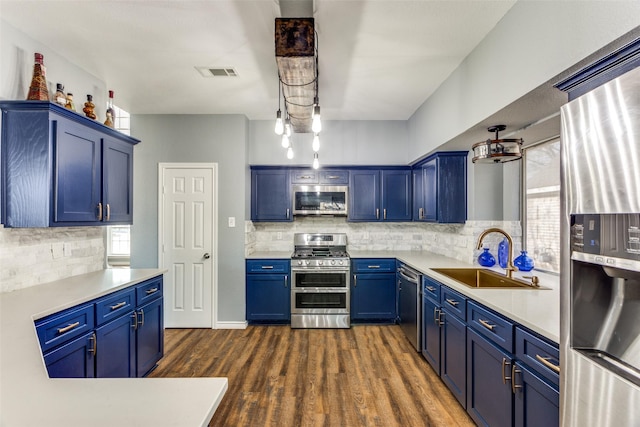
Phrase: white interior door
pixel 187 243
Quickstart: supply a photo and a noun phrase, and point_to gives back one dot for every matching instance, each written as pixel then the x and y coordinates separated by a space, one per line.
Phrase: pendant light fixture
pixel 279 129
pixel 290 153
pixel 285 140
pixel 316 143
pixel 316 162
pixel 287 126
pixel 497 150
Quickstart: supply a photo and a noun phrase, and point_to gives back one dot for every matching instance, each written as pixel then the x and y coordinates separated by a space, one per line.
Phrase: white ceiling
pixel 378 59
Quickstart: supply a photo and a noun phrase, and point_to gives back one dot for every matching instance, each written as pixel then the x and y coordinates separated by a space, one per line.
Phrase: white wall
pixel 534 41
pixel 365 142
pixel 218 139
pixel 17 59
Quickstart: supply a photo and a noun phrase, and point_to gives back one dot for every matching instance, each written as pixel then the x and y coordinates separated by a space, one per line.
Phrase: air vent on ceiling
pixel 217 72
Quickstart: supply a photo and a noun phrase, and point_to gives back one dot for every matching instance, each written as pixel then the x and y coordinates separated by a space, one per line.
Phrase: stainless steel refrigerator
pixel 600 273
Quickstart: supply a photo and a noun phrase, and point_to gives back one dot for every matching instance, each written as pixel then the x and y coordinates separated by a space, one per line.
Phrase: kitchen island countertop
pixel 28 397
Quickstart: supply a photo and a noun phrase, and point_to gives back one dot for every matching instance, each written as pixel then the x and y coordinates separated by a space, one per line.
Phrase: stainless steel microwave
pixel 310 199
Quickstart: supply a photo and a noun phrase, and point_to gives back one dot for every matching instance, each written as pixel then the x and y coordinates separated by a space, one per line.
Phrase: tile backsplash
pixel 454 240
pixel 31 256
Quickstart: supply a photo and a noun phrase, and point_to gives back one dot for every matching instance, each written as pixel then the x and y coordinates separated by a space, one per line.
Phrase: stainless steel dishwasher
pixel 409 304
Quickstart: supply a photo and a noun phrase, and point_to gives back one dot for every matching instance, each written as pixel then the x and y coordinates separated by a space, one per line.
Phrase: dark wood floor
pixel 278 376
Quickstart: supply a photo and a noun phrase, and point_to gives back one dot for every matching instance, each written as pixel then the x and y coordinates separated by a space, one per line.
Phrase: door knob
pixel 206 255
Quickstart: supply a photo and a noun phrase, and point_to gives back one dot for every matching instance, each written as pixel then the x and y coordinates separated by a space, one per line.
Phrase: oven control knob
pixel 299 262
pixel 320 262
pixel 340 262
pixel 333 262
pixel 307 262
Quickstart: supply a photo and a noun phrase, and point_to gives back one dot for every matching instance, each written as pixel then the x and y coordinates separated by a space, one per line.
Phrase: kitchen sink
pixel 484 278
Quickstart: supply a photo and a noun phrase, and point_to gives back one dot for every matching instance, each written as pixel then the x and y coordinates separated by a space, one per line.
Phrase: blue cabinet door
pixel 453 355
pixel 115 348
pixel 73 359
pixel 149 336
pixel 270 195
pixel 536 401
pixel 489 396
pixel 418 194
pixel 431 333
pixel 117 182
pixel 430 187
pixel 78 173
pixel 452 188
pixel 373 296
pixel 396 195
pixel 268 298
pixel 364 195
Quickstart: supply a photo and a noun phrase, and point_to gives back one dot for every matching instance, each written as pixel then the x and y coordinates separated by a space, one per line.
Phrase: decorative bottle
pixel 38 90
pixel 69 104
pixel 523 262
pixel 485 259
pixel 59 97
pixel 503 252
pixel 110 111
pixel 89 106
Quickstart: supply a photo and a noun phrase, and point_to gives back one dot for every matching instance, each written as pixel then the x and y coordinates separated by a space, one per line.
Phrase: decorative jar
pixel 523 262
pixel 485 259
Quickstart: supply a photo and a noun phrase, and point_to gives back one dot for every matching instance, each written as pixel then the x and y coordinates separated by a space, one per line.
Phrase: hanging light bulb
pixel 279 126
pixel 316 125
pixel 287 126
pixel 316 163
pixel 285 140
pixel 316 143
pixel 290 153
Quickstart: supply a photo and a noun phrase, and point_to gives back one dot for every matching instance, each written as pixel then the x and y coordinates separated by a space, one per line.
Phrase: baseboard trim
pixel 231 325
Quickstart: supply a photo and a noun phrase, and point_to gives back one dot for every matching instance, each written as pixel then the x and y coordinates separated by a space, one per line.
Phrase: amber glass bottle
pixel 38 90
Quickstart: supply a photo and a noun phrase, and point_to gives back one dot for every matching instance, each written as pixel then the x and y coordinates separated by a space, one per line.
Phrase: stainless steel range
pixel 320 290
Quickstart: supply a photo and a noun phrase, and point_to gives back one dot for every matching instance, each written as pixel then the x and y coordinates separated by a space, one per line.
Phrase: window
pixel 542 204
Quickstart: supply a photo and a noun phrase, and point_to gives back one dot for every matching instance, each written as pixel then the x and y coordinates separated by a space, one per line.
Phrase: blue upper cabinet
pixel 380 194
pixel 440 188
pixel 62 169
pixel 270 195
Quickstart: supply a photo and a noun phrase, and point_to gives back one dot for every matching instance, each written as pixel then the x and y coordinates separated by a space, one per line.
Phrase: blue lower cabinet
pixel 536 400
pixel 489 395
pixel 453 356
pixel 73 359
pixel 116 353
pixel 431 330
pixel 149 336
pixel 268 298
pixel 373 297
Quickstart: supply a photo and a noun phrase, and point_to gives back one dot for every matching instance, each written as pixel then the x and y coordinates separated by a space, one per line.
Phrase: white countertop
pixel 537 309
pixel 28 397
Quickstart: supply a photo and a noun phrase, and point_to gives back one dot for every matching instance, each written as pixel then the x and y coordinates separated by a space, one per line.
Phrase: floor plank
pixel 368 375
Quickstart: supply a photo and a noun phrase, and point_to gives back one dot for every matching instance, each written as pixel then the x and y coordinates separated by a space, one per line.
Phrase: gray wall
pixel 364 142
pixel 534 42
pixel 219 139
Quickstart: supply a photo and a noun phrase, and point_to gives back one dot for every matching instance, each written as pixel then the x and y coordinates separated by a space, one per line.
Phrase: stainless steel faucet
pixel 510 267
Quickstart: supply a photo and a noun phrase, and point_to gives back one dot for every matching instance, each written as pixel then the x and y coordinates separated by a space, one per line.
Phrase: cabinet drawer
pixel 61 327
pixel 115 305
pixel 453 302
pixel 431 288
pixel 490 324
pixel 538 353
pixel 149 290
pixel 306 176
pixel 267 266
pixel 373 265
pixel 334 177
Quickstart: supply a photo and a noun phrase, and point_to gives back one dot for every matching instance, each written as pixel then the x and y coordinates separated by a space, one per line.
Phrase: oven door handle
pixel 409 278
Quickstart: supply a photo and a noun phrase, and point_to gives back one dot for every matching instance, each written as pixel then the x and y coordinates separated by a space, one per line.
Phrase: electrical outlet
pixel 232 221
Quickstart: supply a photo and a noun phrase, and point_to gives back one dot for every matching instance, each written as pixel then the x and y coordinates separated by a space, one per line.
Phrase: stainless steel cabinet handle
pixel 99 211
pixel 206 256
pixel 514 371
pixel 373 266
pixel 108 217
pixel 504 376
pixel 486 324
pixel 267 267
pixel 288 211
pixel 141 317
pixel 421 213
pixel 377 213
pixel 305 177
pixel 355 280
pixel 545 362
pixel 441 321
pixel 333 177
pixel 134 315
pixel 452 302
pixel 286 280
pixel 118 305
pixel 431 288
pixel 151 291
pixel 68 328
pixel 94 348
pixel 384 213
pixel 436 315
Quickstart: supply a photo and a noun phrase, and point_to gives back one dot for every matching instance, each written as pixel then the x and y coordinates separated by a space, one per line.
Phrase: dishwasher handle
pixel 409 277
